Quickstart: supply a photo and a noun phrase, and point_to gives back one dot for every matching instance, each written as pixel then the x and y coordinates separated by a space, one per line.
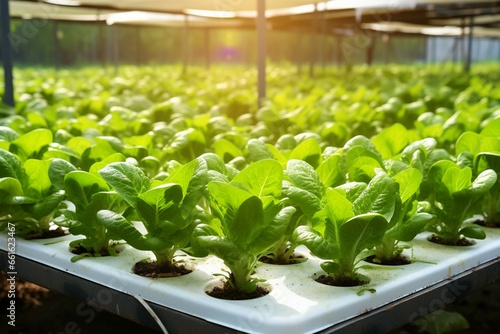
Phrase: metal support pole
pixel 469 46
pixel 370 50
pixel 261 51
pixel 7 61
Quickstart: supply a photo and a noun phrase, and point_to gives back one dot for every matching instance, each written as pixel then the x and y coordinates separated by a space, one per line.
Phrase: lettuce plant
pixel 491 202
pixel 245 229
pixel 248 221
pixel 360 158
pixel 305 188
pixel 455 198
pixel 89 194
pixel 407 220
pixel 167 208
pixel 339 235
pixel 251 178
pixel 30 192
pixel 394 182
pixel 482 151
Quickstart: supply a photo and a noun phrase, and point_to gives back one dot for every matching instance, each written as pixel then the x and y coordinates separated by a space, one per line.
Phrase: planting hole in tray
pixel 482 222
pixel 222 290
pixel 295 258
pixel 48 234
pixel 150 268
pixel 358 280
pixel 462 242
pixel 400 260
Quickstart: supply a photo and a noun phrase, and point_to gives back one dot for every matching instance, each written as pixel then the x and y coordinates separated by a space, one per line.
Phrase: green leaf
pixel 359 146
pixel 409 183
pixel 492 129
pixel 261 178
pixel 258 150
pixel 31 143
pixel 309 151
pixel 483 182
pixel 391 141
pixel 97 166
pixel 338 208
pixel 425 145
pixel 330 267
pixel 226 149
pixel 247 221
pixel 330 173
pixel 457 179
pixel 118 225
pixel 10 166
pixel 128 180
pixel 80 186
pixel 473 231
pixel 492 159
pixel 46 206
pixel 408 230
pixel 102 200
pixel 193 178
pixel 7 134
pixel 315 242
pixel 104 147
pixel 270 233
pixel 308 202
pixel 304 176
pixel 362 169
pixel 57 171
pixel 361 232
pixel 79 144
pixel 159 211
pixel 393 167
pixel 468 142
pixel 219 246
pixel 9 187
pixel 225 199
pixel 188 143
pixel 278 155
pixel 214 162
pixel 286 142
pixel 352 190
pixel 378 197
pixel 38 173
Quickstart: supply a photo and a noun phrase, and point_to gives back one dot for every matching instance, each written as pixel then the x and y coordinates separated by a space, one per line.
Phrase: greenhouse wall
pixel 441 49
pixel 52 43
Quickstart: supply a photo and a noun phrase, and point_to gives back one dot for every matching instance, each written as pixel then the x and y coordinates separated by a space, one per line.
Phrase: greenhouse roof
pixel 403 16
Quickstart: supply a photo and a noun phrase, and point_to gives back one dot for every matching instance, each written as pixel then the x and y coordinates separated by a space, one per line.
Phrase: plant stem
pixel 241 272
pixel 165 258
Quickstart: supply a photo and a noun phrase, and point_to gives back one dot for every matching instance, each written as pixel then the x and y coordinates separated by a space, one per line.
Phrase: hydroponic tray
pixel 296 303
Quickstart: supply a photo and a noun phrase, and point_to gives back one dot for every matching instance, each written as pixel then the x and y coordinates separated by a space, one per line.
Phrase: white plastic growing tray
pixel 296 303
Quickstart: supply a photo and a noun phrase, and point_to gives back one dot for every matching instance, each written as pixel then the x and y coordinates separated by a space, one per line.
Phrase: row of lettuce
pixel 367 198
pixel 347 174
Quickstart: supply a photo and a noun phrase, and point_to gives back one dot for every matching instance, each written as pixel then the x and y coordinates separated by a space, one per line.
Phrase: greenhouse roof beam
pixel 241 14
